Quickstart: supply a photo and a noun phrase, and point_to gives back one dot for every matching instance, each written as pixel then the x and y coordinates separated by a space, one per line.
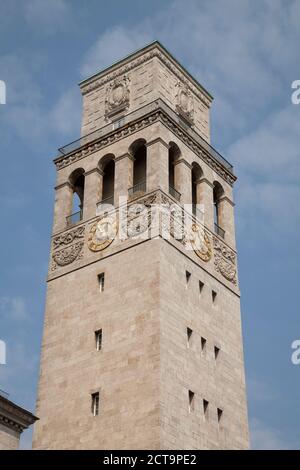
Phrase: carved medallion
pixel 117 96
pixel 225 261
pixel 198 238
pixel 67 255
pixel 184 102
pixel 102 233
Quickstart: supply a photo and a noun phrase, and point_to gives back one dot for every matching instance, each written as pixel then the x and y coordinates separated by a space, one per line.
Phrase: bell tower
pixel 142 345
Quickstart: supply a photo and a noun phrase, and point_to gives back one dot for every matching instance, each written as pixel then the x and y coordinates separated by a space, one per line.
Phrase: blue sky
pixel 246 53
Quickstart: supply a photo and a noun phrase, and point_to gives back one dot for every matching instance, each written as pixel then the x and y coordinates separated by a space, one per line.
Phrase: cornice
pixel 139 124
pixel 15 417
pixel 154 51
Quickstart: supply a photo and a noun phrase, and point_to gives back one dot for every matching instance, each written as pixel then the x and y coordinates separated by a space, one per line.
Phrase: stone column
pixel 123 176
pixel 157 170
pixel 183 180
pixel 226 220
pixel 92 192
pixel 205 197
pixel 62 206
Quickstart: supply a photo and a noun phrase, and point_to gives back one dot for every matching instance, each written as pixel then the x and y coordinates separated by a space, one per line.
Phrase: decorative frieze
pixel 67 255
pixel 68 237
pixel 147 216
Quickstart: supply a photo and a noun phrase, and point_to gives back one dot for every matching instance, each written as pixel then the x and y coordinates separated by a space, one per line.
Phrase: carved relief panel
pixel 184 102
pixel 117 96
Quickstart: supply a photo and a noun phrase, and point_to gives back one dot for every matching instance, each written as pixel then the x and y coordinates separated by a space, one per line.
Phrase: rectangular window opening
pixel 95 403
pixel 205 408
pixel 189 333
pixel 219 414
pixel 214 296
pixel 191 401
pixel 187 276
pixel 201 285
pixel 98 340
pixel 217 351
pixel 203 344
pixel 118 123
pixel 101 282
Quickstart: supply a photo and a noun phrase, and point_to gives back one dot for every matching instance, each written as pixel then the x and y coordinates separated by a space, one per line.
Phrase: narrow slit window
pixel 98 340
pixel 203 344
pixel 187 277
pixel 95 403
pixel 101 282
pixel 189 333
pixel 219 415
pixel 201 285
pixel 214 296
pixel 118 123
pixel 205 408
pixel 191 401
pixel 217 352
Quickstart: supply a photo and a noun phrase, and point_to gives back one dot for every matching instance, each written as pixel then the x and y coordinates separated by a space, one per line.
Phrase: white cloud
pixel 271 150
pixel 26 113
pixel 112 45
pixel 47 16
pixel 65 115
pixel 264 437
pixel 14 308
pixel 260 392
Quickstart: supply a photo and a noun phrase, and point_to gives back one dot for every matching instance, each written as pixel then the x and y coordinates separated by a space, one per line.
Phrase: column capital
pixel 226 199
pixel 125 155
pixel 66 184
pixel 204 180
pixel 157 140
pixel 94 170
pixel 182 160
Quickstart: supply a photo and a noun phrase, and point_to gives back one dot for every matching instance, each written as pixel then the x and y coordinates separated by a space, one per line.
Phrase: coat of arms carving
pixel 184 102
pixel 117 96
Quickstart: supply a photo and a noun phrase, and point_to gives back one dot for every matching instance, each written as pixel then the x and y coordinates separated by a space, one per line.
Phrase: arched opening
pixel 197 174
pixel 138 150
pixel 77 183
pixel 174 154
pixel 108 184
pixel 218 192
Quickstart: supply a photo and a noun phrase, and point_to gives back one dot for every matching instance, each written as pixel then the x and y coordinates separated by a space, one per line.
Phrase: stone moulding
pixel 142 123
pixel 97 83
pixel 199 239
pixel 14 417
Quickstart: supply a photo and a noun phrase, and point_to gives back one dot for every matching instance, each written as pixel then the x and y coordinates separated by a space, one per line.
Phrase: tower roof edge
pixel 138 53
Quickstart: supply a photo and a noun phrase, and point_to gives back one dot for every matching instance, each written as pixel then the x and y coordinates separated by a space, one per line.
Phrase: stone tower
pixel 142 344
